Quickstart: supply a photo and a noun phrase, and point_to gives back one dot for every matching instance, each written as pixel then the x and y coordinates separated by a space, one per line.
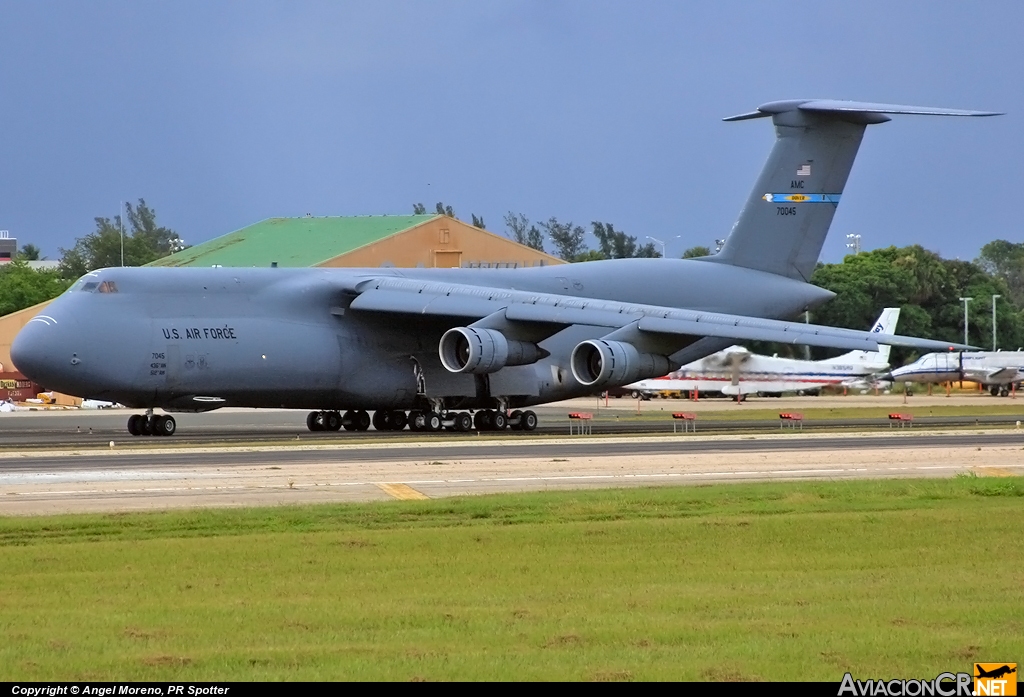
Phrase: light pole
pixel 965 301
pixel 718 245
pixel 994 298
pixel 664 254
pixel 854 244
pixel 120 224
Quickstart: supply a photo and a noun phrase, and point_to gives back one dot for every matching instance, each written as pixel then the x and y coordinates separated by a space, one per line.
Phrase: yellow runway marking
pixel 402 491
pixel 996 472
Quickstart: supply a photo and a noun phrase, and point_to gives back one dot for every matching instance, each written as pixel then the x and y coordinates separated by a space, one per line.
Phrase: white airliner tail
pixel 886 324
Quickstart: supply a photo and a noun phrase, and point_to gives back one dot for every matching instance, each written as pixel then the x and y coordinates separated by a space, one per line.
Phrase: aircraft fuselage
pixel 194 339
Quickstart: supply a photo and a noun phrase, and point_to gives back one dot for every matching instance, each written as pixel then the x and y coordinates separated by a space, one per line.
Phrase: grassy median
pixel 726 582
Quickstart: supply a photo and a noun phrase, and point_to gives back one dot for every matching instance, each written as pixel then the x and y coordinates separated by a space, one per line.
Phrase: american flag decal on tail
pixel 804 171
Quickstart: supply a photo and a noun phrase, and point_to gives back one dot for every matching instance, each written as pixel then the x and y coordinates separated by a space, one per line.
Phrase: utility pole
pixel 965 301
pixel 120 222
pixel 854 244
pixel 994 298
pixel 807 347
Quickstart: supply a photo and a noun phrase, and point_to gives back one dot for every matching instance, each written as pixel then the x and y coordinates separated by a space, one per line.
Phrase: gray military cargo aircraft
pixel 426 347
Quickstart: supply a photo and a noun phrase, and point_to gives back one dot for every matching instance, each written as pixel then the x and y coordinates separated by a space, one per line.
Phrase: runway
pixel 120 480
pixel 69 429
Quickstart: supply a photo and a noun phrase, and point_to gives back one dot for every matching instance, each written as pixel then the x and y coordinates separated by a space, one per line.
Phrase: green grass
pixel 769 581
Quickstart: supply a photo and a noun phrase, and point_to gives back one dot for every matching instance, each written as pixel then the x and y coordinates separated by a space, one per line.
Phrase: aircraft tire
pixel 529 421
pixel 515 420
pixel 484 420
pixel 144 426
pixel 463 422
pixel 433 422
pixel 994 391
pixel 163 426
pixel 362 420
pixel 398 420
pixel 416 421
pixel 382 420
pixel 331 421
pixel 133 425
pixel 313 421
pixel 500 421
pixel 349 420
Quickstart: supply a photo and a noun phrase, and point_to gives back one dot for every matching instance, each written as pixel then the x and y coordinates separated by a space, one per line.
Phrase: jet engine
pixel 478 350
pixel 597 363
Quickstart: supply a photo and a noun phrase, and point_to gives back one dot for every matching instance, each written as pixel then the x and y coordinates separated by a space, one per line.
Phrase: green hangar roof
pixel 294 242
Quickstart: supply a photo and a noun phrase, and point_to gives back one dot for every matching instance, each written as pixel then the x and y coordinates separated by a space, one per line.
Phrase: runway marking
pixel 401 491
pixel 995 472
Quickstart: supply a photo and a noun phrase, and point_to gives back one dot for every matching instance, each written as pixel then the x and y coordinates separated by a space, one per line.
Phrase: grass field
pixel 731 582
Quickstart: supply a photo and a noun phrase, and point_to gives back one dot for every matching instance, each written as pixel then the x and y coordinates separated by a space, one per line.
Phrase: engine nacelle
pixel 597 363
pixel 478 350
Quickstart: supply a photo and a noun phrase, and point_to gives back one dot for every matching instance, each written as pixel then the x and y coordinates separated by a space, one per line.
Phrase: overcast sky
pixel 221 114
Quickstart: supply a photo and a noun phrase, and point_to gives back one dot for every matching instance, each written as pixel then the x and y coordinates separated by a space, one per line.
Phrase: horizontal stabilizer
pixel 839 106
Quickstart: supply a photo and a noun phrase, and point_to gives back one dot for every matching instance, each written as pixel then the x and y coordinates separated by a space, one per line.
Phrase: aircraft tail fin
pixel 885 324
pixel 783 224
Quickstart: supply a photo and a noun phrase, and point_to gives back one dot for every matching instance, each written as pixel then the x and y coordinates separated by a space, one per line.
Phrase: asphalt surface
pixel 580 447
pixel 158 473
pixel 62 430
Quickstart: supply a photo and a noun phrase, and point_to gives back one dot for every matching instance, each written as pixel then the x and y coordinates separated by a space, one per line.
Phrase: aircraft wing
pixel 999 377
pixel 511 307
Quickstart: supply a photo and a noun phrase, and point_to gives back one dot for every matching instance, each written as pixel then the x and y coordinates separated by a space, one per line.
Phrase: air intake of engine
pixel 477 350
pixel 600 363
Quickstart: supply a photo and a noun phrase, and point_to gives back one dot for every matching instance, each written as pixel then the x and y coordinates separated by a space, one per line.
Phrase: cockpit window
pixel 90 287
pixel 107 287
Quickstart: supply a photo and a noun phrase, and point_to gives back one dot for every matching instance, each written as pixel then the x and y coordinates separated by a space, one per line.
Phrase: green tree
pixel 28 252
pixel 567 238
pixel 1005 260
pixel 615 244
pixel 144 241
pixel 21 286
pixel 478 222
pixel 444 210
pixel 520 230
pixel 926 287
pixel 419 209
pixel 698 251
pixel 590 255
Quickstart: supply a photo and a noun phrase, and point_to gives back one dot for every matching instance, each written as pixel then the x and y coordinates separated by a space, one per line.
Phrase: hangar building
pixel 426 241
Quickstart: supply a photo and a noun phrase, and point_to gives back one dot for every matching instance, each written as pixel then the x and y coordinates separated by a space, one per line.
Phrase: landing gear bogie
pixel 420 420
pixel 151 425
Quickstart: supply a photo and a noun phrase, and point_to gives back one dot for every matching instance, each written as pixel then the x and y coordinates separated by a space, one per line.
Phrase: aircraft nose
pixel 37 352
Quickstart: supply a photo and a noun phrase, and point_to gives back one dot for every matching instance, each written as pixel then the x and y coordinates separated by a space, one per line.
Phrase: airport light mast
pixel 965 301
pixel 994 298
pixel 854 243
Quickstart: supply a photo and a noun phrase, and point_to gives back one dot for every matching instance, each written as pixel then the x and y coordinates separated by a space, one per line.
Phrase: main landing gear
pixel 355 420
pixel 427 421
pixel 150 425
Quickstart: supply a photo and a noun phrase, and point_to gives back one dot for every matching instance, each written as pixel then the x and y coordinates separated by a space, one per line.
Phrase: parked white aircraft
pixel 737 371
pixel 996 370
